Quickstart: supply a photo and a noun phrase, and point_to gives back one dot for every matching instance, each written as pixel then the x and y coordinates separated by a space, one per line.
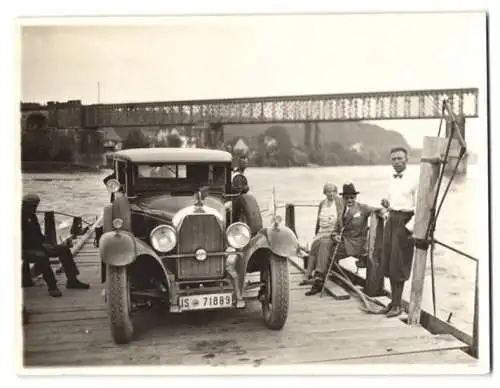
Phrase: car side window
pixel 121 173
pixel 217 174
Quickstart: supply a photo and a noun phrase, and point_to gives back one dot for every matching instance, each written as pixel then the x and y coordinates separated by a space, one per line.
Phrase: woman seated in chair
pixel 329 211
pixel 350 233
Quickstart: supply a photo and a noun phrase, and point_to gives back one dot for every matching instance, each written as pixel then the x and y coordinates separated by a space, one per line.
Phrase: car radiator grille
pixel 200 231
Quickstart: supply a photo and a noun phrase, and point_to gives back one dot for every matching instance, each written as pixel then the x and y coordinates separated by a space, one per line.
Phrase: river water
pixel 84 194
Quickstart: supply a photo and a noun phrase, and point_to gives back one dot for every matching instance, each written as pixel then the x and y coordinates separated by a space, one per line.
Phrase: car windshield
pixel 170 176
pixel 165 171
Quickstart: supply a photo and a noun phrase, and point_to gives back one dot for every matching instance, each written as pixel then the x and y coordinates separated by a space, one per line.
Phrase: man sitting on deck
pixel 36 250
pixel 329 211
pixel 349 234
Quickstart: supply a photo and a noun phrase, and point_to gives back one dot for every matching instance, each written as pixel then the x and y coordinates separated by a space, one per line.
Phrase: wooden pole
pixel 50 227
pixel 374 276
pixel 290 217
pixel 427 185
pixel 76 227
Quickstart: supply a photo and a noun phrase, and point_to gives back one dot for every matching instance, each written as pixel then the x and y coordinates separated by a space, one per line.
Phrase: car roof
pixel 175 155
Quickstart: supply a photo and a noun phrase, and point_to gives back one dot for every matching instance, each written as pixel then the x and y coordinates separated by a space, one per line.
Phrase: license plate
pixel 206 301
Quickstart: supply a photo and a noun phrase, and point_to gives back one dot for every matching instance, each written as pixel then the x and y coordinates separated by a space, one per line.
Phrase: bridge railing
pixel 395 105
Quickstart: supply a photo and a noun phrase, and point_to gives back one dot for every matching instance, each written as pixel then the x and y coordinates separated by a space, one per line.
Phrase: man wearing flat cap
pixel 350 234
pixel 36 250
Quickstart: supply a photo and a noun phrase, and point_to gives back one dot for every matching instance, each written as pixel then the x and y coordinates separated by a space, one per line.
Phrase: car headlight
pixel 238 235
pixel 163 238
pixel 117 223
pixel 113 186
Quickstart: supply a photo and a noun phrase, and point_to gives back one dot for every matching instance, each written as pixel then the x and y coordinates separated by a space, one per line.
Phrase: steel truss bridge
pixel 396 105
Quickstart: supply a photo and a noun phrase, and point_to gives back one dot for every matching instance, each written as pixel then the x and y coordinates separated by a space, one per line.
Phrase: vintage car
pixel 180 234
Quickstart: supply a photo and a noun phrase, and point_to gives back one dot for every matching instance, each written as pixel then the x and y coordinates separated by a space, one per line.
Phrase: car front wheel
pixel 275 292
pixel 119 304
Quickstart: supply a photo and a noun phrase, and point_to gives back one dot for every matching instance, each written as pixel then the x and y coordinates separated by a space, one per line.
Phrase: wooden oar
pixel 370 305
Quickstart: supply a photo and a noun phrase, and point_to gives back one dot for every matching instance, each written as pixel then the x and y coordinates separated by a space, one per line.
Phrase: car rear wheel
pixel 275 292
pixel 119 304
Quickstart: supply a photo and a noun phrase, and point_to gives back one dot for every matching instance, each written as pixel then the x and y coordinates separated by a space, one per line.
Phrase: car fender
pixel 117 248
pixel 143 249
pixel 280 241
pixel 120 208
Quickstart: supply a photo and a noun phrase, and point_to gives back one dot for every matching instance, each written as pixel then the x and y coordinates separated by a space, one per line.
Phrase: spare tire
pixel 239 185
pixel 246 209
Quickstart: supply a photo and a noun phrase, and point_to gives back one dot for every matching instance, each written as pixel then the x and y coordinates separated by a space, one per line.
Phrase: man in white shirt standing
pixel 398 245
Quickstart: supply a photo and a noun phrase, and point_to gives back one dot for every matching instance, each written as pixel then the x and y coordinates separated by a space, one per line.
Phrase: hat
pixel 349 189
pixel 31 199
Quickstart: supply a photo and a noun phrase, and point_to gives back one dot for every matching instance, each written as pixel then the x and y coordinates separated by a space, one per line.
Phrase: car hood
pixel 167 205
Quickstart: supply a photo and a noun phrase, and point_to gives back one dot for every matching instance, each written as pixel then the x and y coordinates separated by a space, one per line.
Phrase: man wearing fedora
pixel 349 234
pixel 398 245
pixel 36 250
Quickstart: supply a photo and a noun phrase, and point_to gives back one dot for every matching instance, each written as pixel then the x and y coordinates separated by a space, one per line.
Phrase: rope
pixel 65 214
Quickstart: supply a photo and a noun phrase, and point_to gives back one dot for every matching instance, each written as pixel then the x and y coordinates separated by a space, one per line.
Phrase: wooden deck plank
pixel 229 351
pixel 435 357
pixel 336 291
pixel 245 335
pixel 73 330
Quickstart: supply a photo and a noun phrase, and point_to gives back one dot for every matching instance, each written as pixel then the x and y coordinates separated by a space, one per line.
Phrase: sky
pixel 251 56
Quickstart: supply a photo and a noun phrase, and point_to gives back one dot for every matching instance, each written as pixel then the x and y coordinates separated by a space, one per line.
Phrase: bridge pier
pixel 216 136
pixel 210 136
pixel 307 134
pixel 455 148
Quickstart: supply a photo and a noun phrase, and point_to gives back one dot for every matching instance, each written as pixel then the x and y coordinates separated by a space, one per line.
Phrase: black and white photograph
pixel 254 193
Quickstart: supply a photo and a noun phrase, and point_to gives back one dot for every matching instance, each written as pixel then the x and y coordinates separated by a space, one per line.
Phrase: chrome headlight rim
pixel 113 186
pixel 231 241
pixel 154 242
pixel 117 223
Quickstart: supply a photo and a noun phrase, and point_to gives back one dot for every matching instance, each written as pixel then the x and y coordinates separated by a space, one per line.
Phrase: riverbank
pixel 58 167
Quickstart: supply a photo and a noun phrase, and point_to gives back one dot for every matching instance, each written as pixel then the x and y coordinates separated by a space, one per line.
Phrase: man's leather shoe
pixel 394 312
pixel 77 285
pixel 306 282
pixel 55 293
pixel 316 287
pixel 385 310
pixel 28 283
pixel 313 291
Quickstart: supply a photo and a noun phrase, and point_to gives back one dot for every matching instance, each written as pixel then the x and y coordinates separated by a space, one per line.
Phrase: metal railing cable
pixel 435 211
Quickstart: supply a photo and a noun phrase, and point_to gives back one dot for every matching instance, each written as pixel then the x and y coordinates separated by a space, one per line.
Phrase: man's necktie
pixel 346 210
pixel 398 175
